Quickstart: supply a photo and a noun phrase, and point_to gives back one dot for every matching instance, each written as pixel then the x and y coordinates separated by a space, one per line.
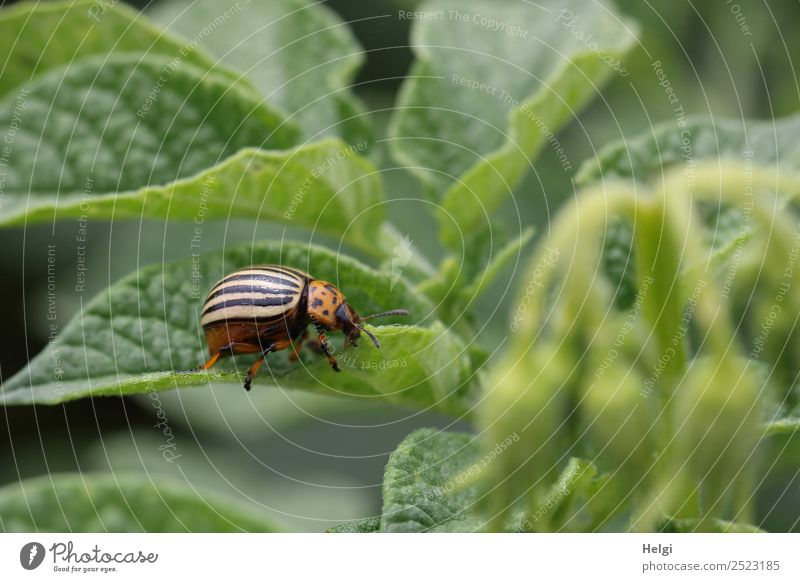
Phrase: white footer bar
pixel 387 557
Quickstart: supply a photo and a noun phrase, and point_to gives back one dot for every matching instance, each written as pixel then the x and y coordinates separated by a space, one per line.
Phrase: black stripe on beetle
pixel 258 290
pixel 296 284
pixel 263 323
pixel 290 272
pixel 302 274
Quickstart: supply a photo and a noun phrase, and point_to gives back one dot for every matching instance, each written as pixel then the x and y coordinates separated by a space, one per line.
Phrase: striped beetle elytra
pixel 268 308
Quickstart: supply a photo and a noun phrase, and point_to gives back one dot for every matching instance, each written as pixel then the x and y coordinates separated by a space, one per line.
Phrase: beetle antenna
pixel 385 314
pixel 371 335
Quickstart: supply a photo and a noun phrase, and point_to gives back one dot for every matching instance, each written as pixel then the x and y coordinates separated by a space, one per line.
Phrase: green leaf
pixel 706 526
pixel 79 153
pixel 162 449
pixel 425 488
pixel 486 94
pixel 92 502
pixel 457 284
pixel 370 525
pixel 619 262
pixel 298 53
pixel 575 502
pixel 787 425
pixel 714 154
pixel 139 334
pixel 100 126
pixel 482 280
pixel 36 37
pixel 769 144
pixel 211 410
pixel 726 235
pixel 575 481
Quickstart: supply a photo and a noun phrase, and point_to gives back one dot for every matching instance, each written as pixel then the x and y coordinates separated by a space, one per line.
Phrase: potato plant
pixel 651 353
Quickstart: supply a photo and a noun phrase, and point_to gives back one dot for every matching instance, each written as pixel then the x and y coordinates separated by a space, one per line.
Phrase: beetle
pixel 268 308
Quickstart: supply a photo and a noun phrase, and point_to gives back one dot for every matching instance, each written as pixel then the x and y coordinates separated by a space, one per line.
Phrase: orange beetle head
pixel 328 307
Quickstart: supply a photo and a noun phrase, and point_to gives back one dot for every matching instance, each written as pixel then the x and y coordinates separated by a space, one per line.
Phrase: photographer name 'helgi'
pixel 664 550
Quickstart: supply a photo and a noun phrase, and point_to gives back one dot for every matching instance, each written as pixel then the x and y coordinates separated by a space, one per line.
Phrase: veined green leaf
pixel 143 333
pixel 36 37
pixel 298 53
pixel 432 480
pixel 121 123
pixel 424 487
pixel 90 142
pixel 493 83
pixel 769 144
pixel 92 502
pixel 370 525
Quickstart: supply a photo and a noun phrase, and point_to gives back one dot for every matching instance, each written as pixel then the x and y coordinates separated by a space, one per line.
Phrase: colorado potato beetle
pixel 268 308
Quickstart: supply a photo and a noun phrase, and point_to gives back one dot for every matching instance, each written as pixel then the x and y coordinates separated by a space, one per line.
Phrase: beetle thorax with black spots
pixel 323 301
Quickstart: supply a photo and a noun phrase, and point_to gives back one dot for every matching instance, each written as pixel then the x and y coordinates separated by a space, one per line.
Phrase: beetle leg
pixel 297 346
pixel 253 370
pixel 208 364
pixel 325 347
pixel 225 351
pixel 228 350
pixel 313 345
